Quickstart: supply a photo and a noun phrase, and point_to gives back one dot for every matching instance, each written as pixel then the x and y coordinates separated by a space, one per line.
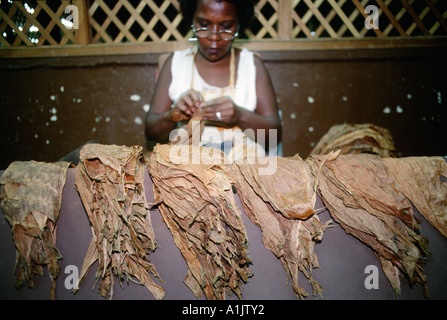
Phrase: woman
pixel 230 87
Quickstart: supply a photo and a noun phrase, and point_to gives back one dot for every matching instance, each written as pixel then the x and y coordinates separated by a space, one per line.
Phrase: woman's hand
pixel 222 110
pixel 186 105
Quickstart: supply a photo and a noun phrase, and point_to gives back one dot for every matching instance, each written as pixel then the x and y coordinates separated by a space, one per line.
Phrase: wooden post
pixel 285 19
pixel 82 35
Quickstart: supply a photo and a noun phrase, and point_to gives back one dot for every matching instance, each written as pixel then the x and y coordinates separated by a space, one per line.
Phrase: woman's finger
pixel 183 107
pixel 215 114
pixel 189 102
pixel 196 98
pixel 216 103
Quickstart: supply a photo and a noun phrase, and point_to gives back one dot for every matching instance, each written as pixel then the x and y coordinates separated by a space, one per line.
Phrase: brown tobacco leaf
pixel 197 204
pixel 291 240
pixel 110 181
pixel 288 188
pixel 355 139
pixel 424 181
pixel 31 201
pixel 367 203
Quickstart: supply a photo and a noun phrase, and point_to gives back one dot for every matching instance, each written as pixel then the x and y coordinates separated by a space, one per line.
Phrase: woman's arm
pixel 158 122
pixel 266 114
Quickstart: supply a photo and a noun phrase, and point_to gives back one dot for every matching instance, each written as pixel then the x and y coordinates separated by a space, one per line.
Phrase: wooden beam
pixel 127 49
pixel 82 35
pixel 285 19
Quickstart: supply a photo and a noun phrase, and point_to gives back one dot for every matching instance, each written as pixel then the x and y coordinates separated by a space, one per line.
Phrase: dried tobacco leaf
pixel 367 203
pixel 288 188
pixel 110 181
pixel 271 201
pixel 423 180
pixel 196 202
pixel 31 201
pixel 355 139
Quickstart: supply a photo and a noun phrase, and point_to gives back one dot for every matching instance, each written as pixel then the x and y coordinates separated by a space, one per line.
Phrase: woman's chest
pixel 217 74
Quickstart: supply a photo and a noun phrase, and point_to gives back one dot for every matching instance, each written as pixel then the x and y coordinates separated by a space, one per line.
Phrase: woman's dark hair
pixel 245 11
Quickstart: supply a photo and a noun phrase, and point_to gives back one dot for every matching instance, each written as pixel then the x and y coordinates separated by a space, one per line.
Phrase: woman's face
pixel 216 16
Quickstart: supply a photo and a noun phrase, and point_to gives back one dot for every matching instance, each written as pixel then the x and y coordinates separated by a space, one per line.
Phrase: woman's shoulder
pixel 250 59
pixel 184 52
pixel 246 54
pixel 179 57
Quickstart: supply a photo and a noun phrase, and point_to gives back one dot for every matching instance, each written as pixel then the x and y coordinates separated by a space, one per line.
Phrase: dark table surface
pixel 343 260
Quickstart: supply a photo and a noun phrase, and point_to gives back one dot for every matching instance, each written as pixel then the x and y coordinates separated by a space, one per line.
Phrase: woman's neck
pixel 215 73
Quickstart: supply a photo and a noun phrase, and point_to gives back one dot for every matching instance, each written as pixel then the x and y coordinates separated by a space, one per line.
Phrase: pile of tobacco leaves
pixel 423 180
pixel 30 201
pixel 355 139
pixel 282 205
pixel 197 204
pixel 365 197
pixel 371 194
pixel 110 181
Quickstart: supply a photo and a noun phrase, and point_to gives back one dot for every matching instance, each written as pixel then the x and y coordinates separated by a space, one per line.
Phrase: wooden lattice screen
pixel 46 23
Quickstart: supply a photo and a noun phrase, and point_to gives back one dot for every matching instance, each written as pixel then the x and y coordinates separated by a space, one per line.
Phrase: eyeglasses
pixel 226 35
